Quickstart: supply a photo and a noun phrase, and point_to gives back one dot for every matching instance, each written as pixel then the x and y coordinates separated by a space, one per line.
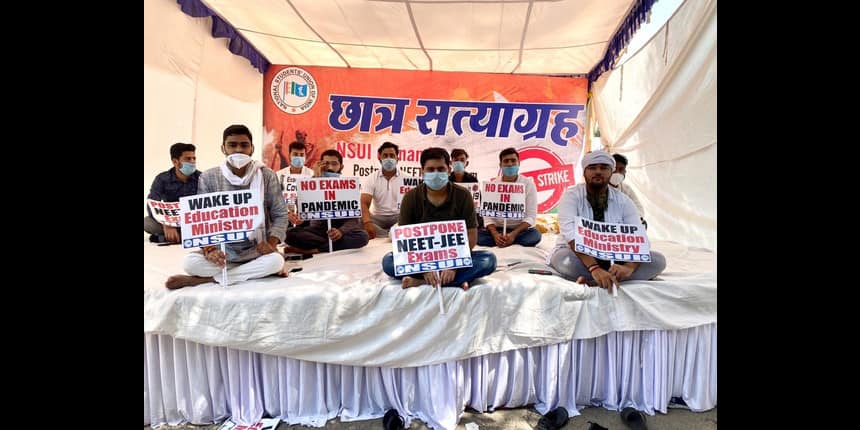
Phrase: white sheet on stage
pixel 342 339
pixel 342 309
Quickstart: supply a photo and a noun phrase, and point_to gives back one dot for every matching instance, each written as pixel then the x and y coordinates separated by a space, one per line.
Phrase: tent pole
pixel 589 117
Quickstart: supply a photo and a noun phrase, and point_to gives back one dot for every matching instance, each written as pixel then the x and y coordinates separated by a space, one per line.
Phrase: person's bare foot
pixel 411 282
pixel 178 281
pixel 289 266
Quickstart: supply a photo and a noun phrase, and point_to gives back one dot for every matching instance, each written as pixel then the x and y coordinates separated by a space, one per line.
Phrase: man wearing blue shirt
pixel 169 186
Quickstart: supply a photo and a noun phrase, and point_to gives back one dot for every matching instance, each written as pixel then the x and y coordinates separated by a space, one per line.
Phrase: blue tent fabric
pixel 638 14
pixel 220 28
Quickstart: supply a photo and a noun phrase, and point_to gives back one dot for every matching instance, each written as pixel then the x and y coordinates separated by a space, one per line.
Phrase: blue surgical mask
pixel 436 180
pixel 510 170
pixel 188 168
pixel 297 162
pixel 389 164
pixel 330 174
pixel 459 167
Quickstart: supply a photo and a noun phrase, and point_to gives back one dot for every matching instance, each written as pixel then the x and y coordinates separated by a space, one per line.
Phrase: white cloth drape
pixel 659 109
pixel 189 382
pixel 341 308
pixel 193 88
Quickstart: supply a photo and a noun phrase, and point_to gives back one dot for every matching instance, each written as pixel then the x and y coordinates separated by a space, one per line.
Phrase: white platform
pixel 207 347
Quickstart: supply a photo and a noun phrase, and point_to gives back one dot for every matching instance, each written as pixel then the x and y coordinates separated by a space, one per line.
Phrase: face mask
pixel 330 174
pixel 238 160
pixel 297 162
pixel 616 179
pixel 510 170
pixel 389 164
pixel 436 180
pixel 187 168
pixel 459 167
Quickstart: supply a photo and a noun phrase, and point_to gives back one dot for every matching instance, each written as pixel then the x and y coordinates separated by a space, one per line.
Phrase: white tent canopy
pixel 664 121
pixel 503 36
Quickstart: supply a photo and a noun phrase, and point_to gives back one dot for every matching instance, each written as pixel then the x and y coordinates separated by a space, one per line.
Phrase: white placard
pixel 166 213
pixel 329 198
pixel 430 246
pixel 291 187
pixel 475 189
pixel 263 424
pixel 409 182
pixel 220 216
pixel 503 199
pixel 608 241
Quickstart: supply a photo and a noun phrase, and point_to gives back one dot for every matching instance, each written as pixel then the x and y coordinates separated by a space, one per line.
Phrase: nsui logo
pixel 294 90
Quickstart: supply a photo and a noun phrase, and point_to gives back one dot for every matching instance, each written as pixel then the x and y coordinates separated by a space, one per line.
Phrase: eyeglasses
pixel 234 145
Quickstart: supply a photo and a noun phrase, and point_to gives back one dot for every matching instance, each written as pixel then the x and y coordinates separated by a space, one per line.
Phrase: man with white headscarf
pixel 597 201
pixel 257 256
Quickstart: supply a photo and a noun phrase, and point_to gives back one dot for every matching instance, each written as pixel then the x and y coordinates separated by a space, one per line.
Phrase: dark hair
pixel 333 153
pixel 507 151
pixel 435 154
pixel 234 130
pixel 178 148
pixel 457 152
pixel 297 145
pixel 620 159
pixel 387 145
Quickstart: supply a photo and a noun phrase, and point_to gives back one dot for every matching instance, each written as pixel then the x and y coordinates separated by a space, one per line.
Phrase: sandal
pixel 554 419
pixel 633 419
pixel 392 421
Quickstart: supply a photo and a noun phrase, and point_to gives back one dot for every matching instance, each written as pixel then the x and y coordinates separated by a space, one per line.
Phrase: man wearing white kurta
pixel 596 200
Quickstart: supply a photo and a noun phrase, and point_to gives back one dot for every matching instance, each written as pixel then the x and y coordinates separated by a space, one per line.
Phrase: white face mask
pixel 238 160
pixel 616 179
pixel 388 164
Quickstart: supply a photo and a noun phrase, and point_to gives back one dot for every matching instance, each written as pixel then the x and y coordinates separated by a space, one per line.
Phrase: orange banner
pixel 356 110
